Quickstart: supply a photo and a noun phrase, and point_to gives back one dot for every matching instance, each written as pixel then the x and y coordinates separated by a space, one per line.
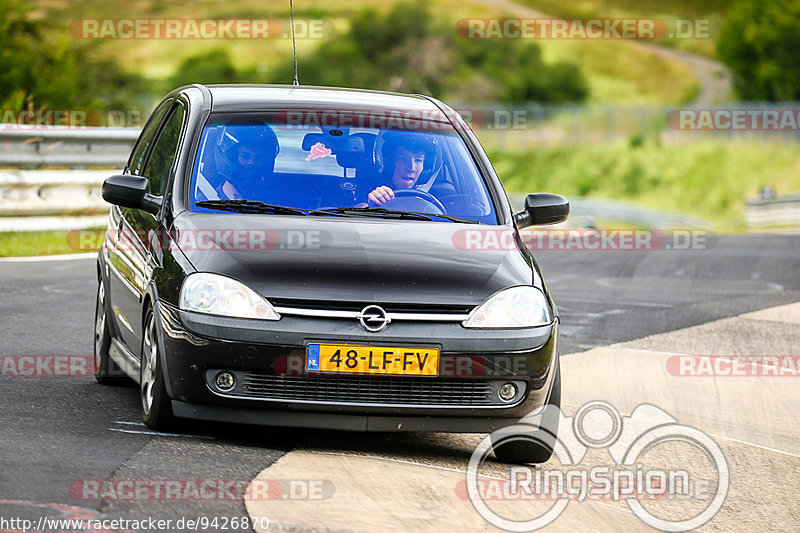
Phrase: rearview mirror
pixel 542 208
pixel 130 191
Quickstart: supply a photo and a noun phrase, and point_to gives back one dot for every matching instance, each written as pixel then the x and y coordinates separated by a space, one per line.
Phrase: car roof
pixel 237 98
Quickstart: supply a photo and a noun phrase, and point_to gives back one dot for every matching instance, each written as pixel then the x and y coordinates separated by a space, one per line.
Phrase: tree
pixel 55 73
pixel 214 66
pixel 406 50
pixel 760 42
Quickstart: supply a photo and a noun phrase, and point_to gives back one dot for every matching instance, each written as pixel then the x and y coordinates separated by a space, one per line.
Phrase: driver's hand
pixel 230 191
pixel 381 195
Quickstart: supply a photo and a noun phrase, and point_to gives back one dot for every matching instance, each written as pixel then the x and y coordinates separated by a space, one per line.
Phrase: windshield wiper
pixel 379 212
pixel 448 217
pixel 255 206
pixel 390 213
pixel 251 206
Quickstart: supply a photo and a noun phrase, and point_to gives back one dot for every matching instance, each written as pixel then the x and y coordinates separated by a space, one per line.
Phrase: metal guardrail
pixel 52 192
pixel 36 200
pixel 588 212
pixel 773 212
pixel 63 146
pixel 60 192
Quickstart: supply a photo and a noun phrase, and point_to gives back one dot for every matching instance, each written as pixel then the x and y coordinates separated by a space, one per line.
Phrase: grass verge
pixel 709 179
pixel 32 243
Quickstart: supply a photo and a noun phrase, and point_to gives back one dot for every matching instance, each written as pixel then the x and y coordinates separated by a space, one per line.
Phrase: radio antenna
pixel 294 47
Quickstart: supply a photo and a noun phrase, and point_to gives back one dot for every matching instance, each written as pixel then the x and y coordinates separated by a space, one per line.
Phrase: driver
pixel 404 156
pixel 245 160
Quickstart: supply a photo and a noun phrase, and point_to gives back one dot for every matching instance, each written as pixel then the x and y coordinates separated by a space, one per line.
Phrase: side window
pixel 139 155
pixel 162 157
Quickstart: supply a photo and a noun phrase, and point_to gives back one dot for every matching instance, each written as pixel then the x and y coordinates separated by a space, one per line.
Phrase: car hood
pixel 351 259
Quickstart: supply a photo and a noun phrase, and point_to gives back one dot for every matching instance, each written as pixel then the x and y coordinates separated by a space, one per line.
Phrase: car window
pixel 138 156
pixel 162 156
pixel 312 166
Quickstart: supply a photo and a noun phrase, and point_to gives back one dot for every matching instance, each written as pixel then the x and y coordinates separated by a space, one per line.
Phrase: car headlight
pixel 219 295
pixel 517 307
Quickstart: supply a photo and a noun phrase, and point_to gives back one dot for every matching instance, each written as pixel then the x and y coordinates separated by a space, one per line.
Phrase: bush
pixel 214 66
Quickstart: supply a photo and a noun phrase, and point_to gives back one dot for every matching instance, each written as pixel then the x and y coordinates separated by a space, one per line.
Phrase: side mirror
pixel 542 208
pixel 130 191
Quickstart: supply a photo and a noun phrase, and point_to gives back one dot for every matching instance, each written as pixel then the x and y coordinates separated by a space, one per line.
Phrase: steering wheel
pixel 428 197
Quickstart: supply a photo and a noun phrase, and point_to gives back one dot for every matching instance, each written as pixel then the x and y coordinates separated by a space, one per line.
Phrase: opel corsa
pixel 328 258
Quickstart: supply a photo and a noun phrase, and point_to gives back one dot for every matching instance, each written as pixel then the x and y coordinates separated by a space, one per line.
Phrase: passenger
pixel 245 161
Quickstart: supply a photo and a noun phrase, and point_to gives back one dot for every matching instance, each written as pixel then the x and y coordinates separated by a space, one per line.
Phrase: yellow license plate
pixel 356 359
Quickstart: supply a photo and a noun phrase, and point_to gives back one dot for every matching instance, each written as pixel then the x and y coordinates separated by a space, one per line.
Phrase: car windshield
pixel 265 163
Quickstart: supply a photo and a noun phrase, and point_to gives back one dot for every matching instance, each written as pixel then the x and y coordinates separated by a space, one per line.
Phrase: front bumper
pixel 198 346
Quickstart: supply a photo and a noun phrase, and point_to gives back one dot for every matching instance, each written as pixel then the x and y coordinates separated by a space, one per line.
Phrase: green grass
pixel 709 179
pixel 619 73
pixel 711 10
pixel 30 243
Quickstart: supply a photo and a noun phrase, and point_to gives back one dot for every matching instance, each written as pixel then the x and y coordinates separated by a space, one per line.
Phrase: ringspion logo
pixel 628 440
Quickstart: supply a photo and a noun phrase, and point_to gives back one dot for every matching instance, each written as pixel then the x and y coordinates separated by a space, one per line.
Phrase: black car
pixel 329 258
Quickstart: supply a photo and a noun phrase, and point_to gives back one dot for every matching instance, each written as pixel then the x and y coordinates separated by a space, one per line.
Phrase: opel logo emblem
pixel 373 318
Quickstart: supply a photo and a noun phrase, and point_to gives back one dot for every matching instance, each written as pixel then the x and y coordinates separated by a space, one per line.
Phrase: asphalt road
pixel 57 431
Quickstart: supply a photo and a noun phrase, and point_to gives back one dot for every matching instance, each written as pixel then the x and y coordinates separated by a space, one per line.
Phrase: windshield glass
pixel 313 167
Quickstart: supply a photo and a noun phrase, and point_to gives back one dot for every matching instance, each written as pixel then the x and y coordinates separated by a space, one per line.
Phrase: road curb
pixel 421 489
pixel 45 258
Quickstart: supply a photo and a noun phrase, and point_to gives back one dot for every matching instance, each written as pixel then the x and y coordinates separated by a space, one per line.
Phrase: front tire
pixel 106 371
pixel 536 446
pixel 156 404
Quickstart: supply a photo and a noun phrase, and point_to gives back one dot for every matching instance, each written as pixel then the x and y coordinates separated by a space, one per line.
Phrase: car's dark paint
pixel 366 261
pixel 358 260
pixel 131 191
pixel 187 347
pixel 541 209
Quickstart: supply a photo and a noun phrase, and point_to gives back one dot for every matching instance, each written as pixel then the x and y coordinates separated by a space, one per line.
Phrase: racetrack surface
pixel 57 431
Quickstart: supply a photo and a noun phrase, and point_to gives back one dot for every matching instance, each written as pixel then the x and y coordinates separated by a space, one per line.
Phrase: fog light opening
pixel 507 392
pixel 225 381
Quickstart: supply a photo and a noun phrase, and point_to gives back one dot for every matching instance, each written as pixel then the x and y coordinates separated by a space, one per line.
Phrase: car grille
pixel 358 306
pixel 368 389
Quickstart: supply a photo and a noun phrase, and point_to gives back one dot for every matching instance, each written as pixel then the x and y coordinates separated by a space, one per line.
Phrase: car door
pixel 139 230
